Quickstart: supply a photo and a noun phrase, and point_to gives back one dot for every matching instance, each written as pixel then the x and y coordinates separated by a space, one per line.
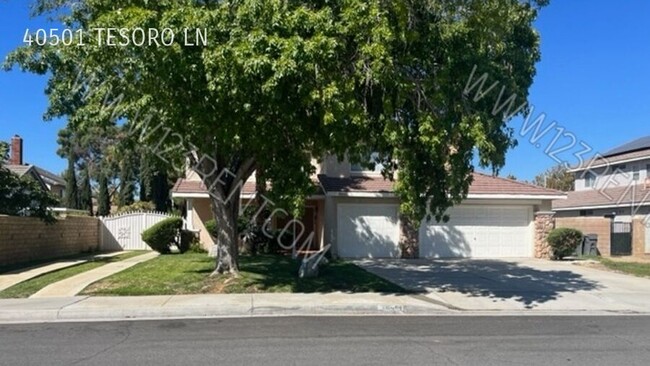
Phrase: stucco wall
pixel 201 214
pixel 611 177
pixel 24 239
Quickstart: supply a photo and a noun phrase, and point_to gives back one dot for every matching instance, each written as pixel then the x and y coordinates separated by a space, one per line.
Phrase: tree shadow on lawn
pixel 276 273
pixel 494 279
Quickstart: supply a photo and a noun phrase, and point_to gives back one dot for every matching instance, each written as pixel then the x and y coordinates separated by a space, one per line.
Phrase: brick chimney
pixel 16 157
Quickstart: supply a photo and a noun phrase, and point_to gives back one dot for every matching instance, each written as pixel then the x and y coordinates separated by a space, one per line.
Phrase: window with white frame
pixel 590 180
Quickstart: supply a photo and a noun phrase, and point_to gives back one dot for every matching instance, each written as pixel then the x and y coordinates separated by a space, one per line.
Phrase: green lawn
pixel 636 269
pixel 189 274
pixel 32 286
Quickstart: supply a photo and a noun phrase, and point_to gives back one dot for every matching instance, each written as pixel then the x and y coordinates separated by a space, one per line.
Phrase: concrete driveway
pixel 525 284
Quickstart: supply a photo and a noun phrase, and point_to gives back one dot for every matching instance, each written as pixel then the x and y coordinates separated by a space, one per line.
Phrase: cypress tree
pixel 103 198
pixel 86 193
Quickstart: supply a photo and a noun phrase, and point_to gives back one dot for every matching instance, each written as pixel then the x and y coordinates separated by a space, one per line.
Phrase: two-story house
pixel 615 184
pixel 16 164
pixel 356 212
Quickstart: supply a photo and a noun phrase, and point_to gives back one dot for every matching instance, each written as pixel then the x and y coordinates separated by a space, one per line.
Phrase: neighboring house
pixel 49 181
pixel 356 211
pixel 615 184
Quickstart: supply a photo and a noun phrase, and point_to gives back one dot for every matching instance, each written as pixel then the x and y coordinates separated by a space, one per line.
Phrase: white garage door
pixel 479 232
pixel 368 231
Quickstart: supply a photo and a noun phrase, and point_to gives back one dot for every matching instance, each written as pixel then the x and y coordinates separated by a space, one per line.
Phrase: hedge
pixel 564 241
pixel 163 235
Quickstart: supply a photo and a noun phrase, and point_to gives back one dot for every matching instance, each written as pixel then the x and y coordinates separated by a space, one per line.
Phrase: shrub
pixel 211 227
pixel 196 247
pixel 564 241
pixel 139 206
pixel 187 239
pixel 163 234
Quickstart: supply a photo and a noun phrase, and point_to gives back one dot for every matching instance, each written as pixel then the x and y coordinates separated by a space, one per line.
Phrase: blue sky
pixel 593 83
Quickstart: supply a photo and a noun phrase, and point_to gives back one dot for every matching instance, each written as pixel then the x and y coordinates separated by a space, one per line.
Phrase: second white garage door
pixel 479 232
pixel 368 231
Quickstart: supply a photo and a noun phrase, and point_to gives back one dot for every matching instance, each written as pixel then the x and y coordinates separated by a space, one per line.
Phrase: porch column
pixel 409 239
pixel 544 223
pixel 189 220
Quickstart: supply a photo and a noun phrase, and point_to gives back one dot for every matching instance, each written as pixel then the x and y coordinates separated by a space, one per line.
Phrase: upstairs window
pixel 590 180
pixel 635 173
pixel 360 169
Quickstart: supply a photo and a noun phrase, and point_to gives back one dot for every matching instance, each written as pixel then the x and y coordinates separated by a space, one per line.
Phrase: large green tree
pixel 22 196
pixel 557 177
pixel 86 190
pixel 69 149
pixel 103 196
pixel 280 82
pixel 127 182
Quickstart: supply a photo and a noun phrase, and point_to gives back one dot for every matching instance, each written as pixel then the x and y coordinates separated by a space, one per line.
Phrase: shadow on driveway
pixel 493 279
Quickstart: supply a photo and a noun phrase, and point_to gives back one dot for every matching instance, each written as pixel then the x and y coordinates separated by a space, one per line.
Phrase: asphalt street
pixel 538 340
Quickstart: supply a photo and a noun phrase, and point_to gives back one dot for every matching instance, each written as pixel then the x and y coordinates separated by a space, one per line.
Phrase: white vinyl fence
pixel 124 231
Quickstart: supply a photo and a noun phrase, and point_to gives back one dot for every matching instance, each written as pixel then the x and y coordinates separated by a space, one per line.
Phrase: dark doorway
pixel 621 243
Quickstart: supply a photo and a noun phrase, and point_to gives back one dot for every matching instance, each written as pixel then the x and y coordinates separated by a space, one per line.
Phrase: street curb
pixel 86 308
pixel 69 313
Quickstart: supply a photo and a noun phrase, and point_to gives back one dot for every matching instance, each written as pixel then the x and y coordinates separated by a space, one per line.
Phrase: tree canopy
pixel 22 196
pixel 557 177
pixel 280 82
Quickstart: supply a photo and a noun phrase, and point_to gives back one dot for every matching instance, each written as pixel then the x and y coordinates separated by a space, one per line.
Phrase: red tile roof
pixel 482 185
pixel 487 184
pixel 610 197
pixel 196 187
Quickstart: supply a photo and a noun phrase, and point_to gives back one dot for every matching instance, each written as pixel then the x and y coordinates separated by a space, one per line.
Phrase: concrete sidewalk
pixel 210 306
pixel 15 277
pixel 75 284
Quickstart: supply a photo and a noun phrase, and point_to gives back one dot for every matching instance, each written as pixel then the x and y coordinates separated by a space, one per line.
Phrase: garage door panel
pixel 479 232
pixel 444 242
pixel 368 231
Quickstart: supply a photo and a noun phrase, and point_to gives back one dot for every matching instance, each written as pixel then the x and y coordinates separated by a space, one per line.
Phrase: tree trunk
pixel 225 214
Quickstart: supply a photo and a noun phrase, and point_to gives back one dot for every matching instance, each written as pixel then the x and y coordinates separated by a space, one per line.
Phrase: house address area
pixel 117 37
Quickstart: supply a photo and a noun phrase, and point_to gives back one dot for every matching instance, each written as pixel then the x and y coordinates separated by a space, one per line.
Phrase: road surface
pixel 334 341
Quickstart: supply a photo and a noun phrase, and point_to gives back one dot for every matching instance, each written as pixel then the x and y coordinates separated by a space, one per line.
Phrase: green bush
pixel 196 247
pixel 564 241
pixel 140 206
pixel 187 239
pixel 211 227
pixel 162 235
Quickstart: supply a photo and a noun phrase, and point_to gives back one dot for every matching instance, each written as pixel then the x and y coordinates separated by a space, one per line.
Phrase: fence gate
pixel 124 231
pixel 621 238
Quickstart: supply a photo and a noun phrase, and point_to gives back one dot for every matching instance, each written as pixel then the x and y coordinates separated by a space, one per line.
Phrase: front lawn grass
pixel 189 273
pixel 28 288
pixel 633 268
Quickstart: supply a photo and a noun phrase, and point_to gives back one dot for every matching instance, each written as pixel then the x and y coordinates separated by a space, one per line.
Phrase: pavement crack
pixel 58 312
